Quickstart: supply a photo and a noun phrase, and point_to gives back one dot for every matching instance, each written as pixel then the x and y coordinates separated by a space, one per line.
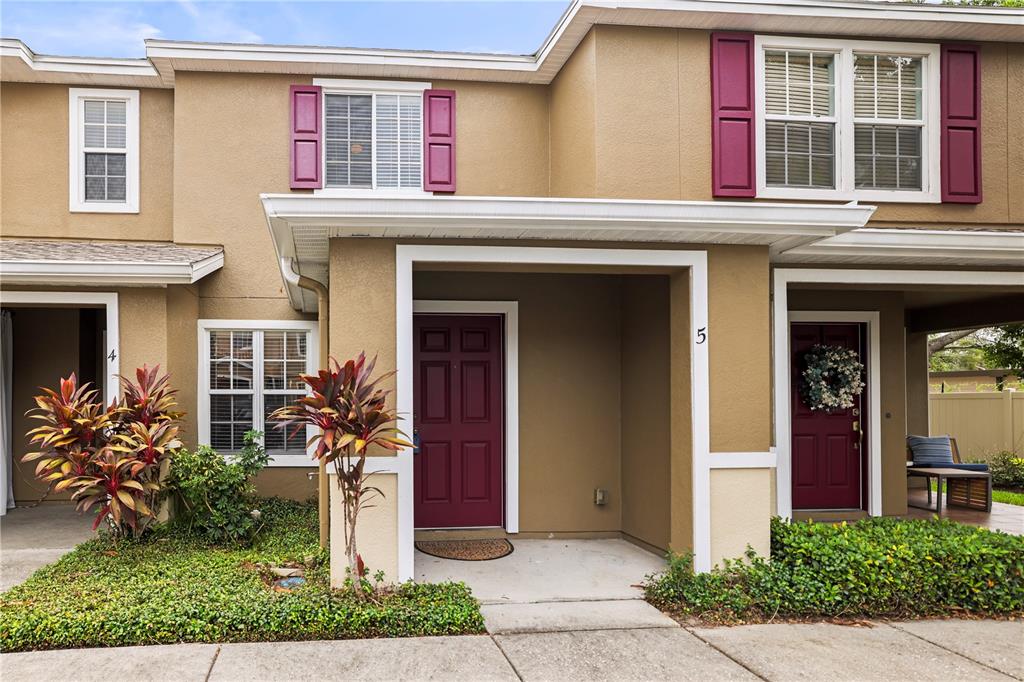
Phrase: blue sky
pixel 118 29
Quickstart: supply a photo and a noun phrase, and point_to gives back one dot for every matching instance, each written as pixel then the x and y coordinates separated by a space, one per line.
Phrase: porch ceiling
pixel 302 224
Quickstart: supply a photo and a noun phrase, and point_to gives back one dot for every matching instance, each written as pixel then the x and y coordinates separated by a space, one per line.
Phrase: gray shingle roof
pixel 80 251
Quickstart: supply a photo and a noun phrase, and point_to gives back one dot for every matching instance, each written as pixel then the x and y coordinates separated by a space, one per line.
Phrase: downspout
pixel 323 323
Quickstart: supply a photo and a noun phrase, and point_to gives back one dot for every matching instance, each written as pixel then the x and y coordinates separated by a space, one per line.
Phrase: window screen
pixel 800 121
pixel 104 135
pixel 888 121
pixel 373 140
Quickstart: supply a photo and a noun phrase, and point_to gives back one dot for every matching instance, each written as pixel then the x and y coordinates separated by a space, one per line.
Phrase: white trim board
pixel 694 261
pixel 77 149
pixel 784 471
pixel 76 299
pixel 204 326
pixel 509 310
pixel 844 119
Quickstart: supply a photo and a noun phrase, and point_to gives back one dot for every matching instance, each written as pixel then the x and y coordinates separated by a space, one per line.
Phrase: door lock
pixel 856 425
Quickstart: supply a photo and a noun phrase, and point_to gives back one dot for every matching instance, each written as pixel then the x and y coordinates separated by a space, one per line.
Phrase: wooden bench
pixel 969 489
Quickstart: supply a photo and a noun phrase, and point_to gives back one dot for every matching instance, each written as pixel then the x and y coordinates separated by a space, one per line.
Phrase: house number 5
pixel 702 335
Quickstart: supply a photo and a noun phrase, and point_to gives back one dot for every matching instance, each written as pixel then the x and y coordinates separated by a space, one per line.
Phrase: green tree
pixel 1005 350
pixel 986 3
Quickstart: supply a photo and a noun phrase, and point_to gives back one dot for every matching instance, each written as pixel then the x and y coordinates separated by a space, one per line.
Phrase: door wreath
pixel 832 378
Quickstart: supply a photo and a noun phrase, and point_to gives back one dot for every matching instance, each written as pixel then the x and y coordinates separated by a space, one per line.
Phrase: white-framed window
pixel 847 119
pixel 248 369
pixel 103 150
pixel 373 135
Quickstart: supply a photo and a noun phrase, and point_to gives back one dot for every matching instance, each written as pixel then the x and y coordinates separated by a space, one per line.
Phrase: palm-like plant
pixel 348 406
pixel 113 456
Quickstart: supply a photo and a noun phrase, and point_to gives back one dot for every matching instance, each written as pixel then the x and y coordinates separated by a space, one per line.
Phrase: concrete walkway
pixel 918 651
pixel 31 537
pixel 557 585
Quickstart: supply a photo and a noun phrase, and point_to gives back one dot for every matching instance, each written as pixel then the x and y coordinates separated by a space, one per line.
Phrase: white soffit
pixel 18 63
pixel 809 17
pixel 909 247
pixel 303 224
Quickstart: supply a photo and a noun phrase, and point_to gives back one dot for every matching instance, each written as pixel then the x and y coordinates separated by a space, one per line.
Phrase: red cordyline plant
pixel 113 456
pixel 350 409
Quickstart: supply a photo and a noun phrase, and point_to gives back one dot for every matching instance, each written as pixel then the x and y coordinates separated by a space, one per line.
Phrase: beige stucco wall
pixel 645 409
pixel 45 348
pixel 376 531
pixel 741 511
pixel 34 168
pixel 501 132
pixel 739 334
pixel 892 371
pixel 572 120
pixel 569 385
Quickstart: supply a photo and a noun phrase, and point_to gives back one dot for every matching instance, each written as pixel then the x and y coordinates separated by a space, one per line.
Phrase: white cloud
pixel 104 32
pixel 213 22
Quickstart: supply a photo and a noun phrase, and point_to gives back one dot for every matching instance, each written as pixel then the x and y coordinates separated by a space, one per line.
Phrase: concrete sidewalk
pixel 923 650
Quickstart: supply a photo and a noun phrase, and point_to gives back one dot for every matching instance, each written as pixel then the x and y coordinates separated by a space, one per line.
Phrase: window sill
pixel 874 196
pixel 102 208
pixel 369 192
pixel 304 461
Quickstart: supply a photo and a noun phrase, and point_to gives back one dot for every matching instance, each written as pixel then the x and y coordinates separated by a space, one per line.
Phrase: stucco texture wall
pixel 231 145
pixel 893 375
pixel 34 168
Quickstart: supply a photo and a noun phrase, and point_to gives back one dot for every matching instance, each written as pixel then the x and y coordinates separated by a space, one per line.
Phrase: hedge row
pixel 880 567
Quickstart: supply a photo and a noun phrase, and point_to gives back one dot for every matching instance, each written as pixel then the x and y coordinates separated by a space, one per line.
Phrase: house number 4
pixel 702 335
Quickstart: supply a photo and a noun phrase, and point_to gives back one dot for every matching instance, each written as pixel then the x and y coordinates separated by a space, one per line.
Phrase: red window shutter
pixel 439 140
pixel 732 115
pixel 960 90
pixel 306 137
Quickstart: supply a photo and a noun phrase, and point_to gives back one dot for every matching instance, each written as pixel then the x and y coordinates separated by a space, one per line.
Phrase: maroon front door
pixel 459 365
pixel 827 446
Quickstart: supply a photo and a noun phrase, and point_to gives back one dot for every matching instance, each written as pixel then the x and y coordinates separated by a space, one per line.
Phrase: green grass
pixel 1004 496
pixel 172 588
pixel 1008 497
pixel 874 568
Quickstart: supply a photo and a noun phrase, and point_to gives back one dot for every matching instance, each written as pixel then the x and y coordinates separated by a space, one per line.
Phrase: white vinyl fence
pixel 982 423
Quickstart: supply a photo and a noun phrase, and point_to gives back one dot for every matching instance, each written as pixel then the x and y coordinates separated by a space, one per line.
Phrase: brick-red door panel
pixel 826 451
pixel 458 420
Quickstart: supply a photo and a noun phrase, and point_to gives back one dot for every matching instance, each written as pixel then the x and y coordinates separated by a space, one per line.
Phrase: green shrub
pixel 217 493
pixel 882 567
pixel 171 587
pixel 1007 470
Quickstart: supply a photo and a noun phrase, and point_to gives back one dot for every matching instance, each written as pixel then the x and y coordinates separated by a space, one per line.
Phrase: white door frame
pixel 509 310
pixel 694 261
pixel 782 278
pixel 82 299
pixel 784 473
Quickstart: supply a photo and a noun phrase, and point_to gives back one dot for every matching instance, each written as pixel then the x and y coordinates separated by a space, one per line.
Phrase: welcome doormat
pixel 466 550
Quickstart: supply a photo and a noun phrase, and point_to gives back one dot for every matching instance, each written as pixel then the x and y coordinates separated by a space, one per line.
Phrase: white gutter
pixel 107 272
pixel 354 212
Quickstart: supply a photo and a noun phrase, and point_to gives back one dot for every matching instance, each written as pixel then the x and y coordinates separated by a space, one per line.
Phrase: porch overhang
pixel 302 224
pixel 89 263
pixel 905 246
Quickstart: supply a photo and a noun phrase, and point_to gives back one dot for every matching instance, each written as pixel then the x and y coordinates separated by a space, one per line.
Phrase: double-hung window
pixel 841 119
pixel 373 134
pixel 248 369
pixel 103 160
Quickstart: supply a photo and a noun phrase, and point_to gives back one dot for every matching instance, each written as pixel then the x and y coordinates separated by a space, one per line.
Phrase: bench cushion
pixel 961 467
pixel 930 451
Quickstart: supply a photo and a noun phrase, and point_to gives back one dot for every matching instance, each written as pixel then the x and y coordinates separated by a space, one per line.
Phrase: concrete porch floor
pixel 31 537
pixel 556 584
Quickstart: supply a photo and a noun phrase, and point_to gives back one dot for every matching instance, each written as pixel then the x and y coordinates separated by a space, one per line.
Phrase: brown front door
pixel 458 420
pixel 827 447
